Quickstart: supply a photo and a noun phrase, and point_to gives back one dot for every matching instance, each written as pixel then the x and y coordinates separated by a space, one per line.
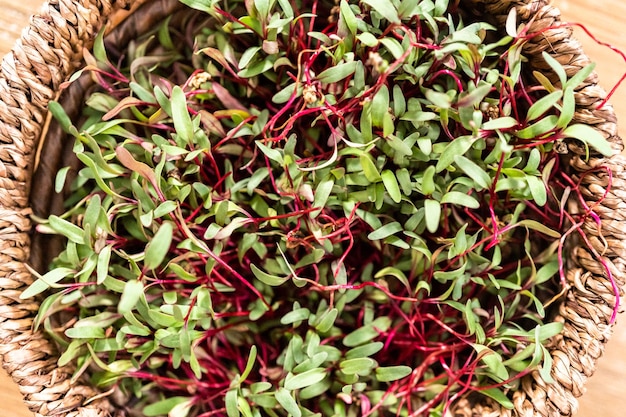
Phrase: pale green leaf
pixel 337 72
pixel 458 146
pixel 385 8
pixel 460 199
pixel 505 122
pixel 133 291
pixel 102 268
pixel 357 366
pixel 391 184
pixel 67 229
pixel 180 115
pixel 392 373
pixel 541 106
pixel 385 231
pixel 163 407
pixel 264 277
pixel 159 246
pixel 432 214
pixel 473 171
pixel 305 379
pixel 591 137
pixel 285 399
pixel 497 395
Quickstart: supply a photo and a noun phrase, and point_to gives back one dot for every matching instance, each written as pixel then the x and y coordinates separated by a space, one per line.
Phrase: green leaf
pixel 391 184
pixel 165 208
pixel 432 214
pixel 258 387
pixel 285 399
pixel 367 39
pixel 367 332
pixel 380 106
pixel 322 192
pixel 305 379
pixel 159 246
pixel 264 277
pixel 537 190
pixel 556 66
pixel 256 69
pixel 163 407
pixel 428 181
pixel 546 272
pixel 59 181
pixel 568 108
pixel 327 320
pixel 393 46
pixel 396 273
pixel 547 331
pixel 202 5
pixel 46 281
pixel 180 115
pixel 348 17
pixel 247 56
pixel 541 106
pixel 85 333
pixel 133 291
pixel 460 199
pixel 183 409
pixel 102 268
pixel 536 130
pixel 404 179
pixel 230 399
pixel 392 373
pixel 357 366
pixel 273 154
pixel 249 364
pixel 399 101
pixel 369 168
pixel 498 395
pixel 295 316
pixel 458 146
pixel 579 77
pixel 365 350
pixel 473 171
pixel 539 227
pixel 385 8
pixel 385 231
pixel 441 100
pixel 61 116
pixel 67 229
pixel 315 390
pixel 286 93
pixel 337 73
pixel 545 370
pixel 493 360
pixel 475 96
pixel 505 122
pixel 591 137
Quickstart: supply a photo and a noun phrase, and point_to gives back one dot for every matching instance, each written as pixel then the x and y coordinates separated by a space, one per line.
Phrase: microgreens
pixel 299 207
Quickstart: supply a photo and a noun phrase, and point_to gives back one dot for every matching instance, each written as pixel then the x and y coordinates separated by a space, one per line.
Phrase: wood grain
pixel 605 19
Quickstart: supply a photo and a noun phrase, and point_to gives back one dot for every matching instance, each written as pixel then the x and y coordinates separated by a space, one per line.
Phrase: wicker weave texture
pixel 50 49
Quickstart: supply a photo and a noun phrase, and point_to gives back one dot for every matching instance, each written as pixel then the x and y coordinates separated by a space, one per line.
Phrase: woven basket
pixel 51 49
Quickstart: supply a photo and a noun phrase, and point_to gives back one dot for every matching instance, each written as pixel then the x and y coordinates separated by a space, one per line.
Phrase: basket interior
pixel 55 152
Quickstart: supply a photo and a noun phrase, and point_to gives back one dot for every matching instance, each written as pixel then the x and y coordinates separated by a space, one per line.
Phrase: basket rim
pixel 30 77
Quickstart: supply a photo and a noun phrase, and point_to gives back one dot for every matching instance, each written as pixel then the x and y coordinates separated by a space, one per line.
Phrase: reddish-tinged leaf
pixel 227 99
pixel 126 159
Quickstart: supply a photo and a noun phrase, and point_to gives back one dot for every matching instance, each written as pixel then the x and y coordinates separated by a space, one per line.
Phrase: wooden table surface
pixel 605 19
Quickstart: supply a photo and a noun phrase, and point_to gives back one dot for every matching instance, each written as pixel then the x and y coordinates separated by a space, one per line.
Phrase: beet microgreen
pixel 315 207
